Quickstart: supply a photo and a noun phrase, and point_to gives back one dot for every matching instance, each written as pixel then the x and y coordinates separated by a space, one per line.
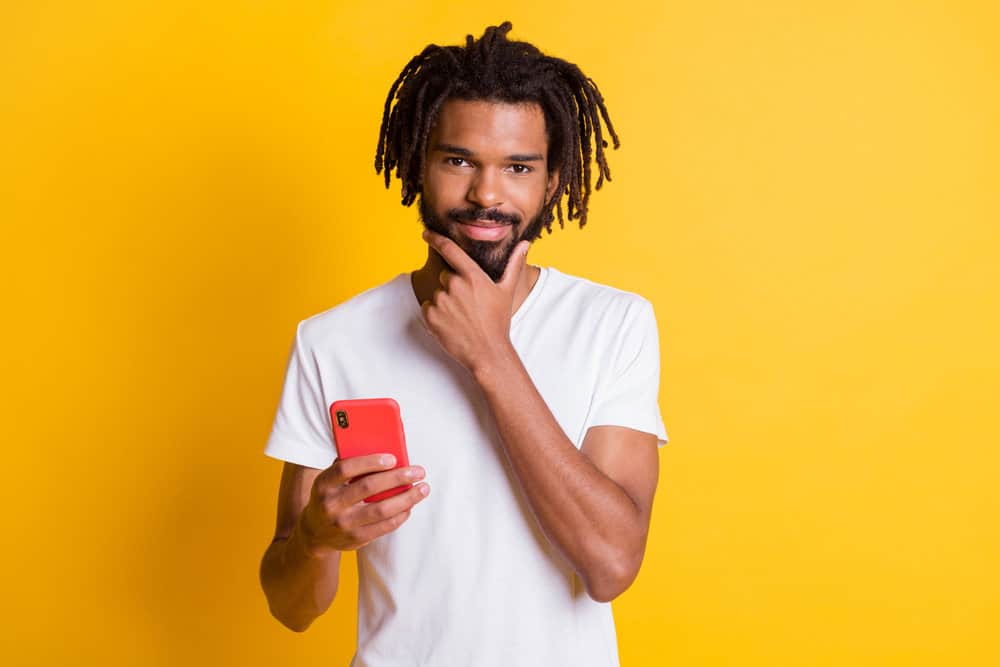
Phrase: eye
pixel 520 168
pixel 454 161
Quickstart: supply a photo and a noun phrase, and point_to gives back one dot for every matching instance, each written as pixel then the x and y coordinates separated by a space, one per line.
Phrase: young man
pixel 528 396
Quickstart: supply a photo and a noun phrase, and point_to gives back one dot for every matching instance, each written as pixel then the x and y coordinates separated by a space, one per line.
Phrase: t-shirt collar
pixel 406 286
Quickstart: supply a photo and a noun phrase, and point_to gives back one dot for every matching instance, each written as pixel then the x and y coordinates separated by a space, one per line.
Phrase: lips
pixel 485 223
pixel 492 231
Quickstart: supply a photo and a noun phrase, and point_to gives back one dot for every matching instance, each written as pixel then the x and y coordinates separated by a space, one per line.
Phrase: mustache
pixel 492 214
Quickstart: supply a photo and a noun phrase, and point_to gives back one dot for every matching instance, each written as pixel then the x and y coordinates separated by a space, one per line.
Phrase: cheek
pixel 531 195
pixel 442 185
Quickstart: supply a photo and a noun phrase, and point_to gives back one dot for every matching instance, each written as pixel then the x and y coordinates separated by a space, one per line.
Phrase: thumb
pixel 515 265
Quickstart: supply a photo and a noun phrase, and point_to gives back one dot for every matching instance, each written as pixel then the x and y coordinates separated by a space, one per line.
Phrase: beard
pixel 491 256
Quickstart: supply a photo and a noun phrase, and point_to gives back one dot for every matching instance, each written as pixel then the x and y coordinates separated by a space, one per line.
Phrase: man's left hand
pixel 469 314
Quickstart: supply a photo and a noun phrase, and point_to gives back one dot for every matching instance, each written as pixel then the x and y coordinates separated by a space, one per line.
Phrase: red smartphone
pixel 364 426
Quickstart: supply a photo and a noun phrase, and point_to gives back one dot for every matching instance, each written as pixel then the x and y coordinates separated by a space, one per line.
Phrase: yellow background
pixel 807 192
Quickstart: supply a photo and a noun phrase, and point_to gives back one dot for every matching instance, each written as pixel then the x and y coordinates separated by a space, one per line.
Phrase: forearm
pixel 299 586
pixel 587 516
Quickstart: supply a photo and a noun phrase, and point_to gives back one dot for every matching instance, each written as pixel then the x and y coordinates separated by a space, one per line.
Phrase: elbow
pixel 297 628
pixel 614 578
pixel 280 615
pixel 606 591
pixel 601 594
pixel 295 625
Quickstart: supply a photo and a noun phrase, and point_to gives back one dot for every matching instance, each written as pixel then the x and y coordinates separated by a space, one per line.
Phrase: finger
pixel 343 470
pixel 425 309
pixel 364 514
pixel 445 277
pixel 378 482
pixel 457 258
pixel 518 260
pixel 366 534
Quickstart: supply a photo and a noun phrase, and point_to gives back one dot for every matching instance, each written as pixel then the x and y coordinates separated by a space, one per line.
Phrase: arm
pixel 593 504
pixel 299 585
pixel 321 514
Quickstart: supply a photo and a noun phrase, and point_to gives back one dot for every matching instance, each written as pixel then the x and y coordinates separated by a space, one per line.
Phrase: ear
pixel 553 183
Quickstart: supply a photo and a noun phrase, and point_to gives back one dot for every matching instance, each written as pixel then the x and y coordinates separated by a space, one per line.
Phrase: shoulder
pixel 597 299
pixel 357 316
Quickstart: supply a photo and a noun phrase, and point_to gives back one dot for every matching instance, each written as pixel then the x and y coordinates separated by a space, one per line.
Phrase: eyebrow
pixel 517 157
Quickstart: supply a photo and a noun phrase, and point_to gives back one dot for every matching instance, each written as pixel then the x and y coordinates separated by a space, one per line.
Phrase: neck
pixel 425 280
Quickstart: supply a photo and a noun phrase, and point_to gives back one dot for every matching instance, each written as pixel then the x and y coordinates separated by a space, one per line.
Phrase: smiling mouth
pixel 485 223
pixel 482 230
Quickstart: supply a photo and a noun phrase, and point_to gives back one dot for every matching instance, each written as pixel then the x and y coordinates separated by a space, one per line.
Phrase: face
pixel 486 179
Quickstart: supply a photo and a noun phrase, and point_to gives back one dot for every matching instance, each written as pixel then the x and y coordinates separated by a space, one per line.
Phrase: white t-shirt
pixel 469 580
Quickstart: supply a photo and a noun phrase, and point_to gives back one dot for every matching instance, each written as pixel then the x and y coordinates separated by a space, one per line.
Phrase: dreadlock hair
pixel 495 69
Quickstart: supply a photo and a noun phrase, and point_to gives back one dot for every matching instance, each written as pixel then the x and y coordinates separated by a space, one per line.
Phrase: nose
pixel 485 189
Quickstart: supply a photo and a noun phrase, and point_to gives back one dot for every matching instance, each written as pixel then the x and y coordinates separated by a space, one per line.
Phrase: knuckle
pixel 337 469
pixel 327 511
pixel 381 511
pixel 321 499
pixel 325 492
pixel 367 487
pixel 335 496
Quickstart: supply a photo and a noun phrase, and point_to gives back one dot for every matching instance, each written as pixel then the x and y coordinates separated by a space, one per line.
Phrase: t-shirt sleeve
pixel 301 432
pixel 629 393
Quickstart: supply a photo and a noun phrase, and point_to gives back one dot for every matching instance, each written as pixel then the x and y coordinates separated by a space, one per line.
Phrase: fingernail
pixel 388 460
pixel 424 489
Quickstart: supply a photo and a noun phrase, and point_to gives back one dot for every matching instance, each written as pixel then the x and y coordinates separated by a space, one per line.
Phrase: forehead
pixel 485 127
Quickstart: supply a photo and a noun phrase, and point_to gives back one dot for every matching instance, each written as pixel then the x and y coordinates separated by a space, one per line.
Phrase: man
pixel 528 396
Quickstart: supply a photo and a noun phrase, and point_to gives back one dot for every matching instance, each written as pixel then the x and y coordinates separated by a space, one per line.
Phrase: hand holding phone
pixel 336 518
pixel 364 426
pixel 363 494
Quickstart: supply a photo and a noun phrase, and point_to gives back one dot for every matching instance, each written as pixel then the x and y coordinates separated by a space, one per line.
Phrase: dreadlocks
pixel 495 69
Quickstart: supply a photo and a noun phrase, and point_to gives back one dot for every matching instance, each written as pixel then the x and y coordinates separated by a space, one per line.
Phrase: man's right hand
pixel 337 518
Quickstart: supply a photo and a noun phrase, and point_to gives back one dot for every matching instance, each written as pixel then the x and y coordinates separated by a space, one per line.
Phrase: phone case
pixel 364 426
